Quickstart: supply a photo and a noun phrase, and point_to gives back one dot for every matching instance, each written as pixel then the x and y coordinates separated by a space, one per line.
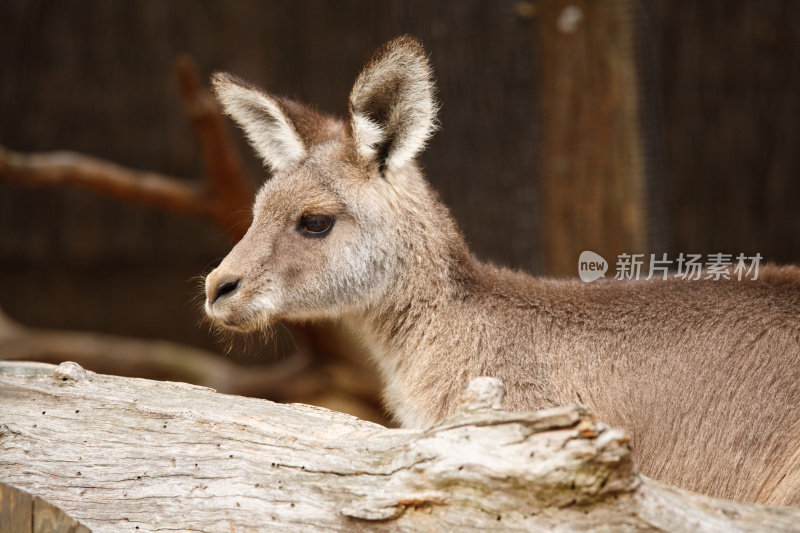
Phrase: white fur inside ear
pixel 368 135
pixel 267 128
pixel 392 103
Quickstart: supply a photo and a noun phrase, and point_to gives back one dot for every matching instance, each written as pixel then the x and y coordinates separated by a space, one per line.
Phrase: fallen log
pixel 123 454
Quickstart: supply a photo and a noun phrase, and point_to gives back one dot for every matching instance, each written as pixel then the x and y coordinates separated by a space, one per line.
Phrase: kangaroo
pixel 703 375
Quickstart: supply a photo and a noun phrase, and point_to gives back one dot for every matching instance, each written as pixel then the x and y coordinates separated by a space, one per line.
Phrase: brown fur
pixel 704 375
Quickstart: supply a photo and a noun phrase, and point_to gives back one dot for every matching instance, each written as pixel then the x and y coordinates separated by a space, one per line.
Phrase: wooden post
pixel 591 164
pixel 21 512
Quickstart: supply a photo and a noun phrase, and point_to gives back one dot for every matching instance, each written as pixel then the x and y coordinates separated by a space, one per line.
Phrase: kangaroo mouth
pixel 238 327
pixel 239 322
pixel 233 322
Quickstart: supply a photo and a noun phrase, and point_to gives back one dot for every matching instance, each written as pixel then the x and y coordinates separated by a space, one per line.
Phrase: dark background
pixel 719 83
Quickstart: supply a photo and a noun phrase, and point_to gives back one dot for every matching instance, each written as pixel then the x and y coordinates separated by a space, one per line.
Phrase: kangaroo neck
pixel 411 315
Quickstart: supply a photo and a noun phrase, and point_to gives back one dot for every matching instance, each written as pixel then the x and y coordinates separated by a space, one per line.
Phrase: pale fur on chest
pixel 398 394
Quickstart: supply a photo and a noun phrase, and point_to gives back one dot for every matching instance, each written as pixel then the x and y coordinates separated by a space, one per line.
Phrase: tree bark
pixel 122 454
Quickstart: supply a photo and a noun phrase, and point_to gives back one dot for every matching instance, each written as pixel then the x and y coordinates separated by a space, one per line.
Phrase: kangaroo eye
pixel 315 225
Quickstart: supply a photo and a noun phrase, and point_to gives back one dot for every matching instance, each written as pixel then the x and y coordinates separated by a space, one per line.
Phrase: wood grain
pixel 120 454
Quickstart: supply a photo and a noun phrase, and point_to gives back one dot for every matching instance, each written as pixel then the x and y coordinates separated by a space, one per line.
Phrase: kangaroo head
pixel 329 226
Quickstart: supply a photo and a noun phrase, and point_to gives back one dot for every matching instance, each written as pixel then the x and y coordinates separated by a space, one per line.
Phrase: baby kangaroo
pixel 704 375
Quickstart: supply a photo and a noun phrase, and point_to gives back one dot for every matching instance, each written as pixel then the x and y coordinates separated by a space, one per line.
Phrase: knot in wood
pixel 69 371
pixel 483 393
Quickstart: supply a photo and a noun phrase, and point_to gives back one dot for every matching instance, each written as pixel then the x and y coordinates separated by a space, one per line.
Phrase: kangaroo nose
pixel 227 287
pixel 222 288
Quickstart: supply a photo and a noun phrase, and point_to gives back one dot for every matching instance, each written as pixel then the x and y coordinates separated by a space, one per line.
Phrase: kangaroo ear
pixel 392 108
pixel 264 120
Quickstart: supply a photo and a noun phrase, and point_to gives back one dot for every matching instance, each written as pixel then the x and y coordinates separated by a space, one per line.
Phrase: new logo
pixel 591 266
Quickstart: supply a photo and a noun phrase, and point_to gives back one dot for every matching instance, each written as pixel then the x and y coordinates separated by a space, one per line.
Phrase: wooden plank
pixel 591 166
pixel 21 512
pixel 16 510
pixel 48 518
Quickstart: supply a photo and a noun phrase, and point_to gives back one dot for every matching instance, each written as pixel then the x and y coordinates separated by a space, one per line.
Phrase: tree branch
pixel 225 198
pixel 226 183
pixel 73 169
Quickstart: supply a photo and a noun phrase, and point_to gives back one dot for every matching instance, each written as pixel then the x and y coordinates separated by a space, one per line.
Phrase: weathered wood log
pixel 122 454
